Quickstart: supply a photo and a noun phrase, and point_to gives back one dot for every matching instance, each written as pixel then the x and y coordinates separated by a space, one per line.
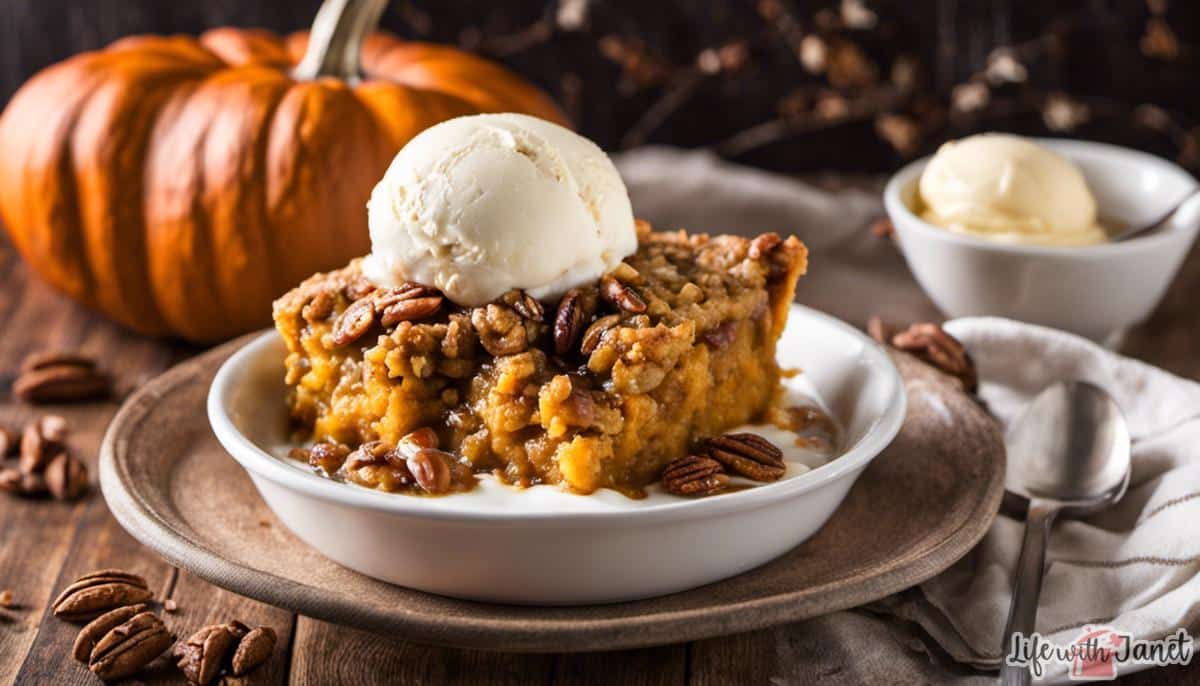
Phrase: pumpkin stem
pixel 335 41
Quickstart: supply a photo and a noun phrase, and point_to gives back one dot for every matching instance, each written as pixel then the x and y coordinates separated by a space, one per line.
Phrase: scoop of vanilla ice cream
pixel 479 205
pixel 1010 189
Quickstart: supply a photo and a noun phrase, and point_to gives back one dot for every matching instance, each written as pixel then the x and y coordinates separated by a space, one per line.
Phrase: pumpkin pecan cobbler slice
pixel 404 388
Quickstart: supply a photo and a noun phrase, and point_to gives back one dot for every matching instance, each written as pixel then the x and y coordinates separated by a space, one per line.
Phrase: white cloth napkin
pixel 1134 567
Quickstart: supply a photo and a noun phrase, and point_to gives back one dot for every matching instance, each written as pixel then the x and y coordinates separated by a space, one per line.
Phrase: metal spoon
pixel 1131 231
pixel 1068 454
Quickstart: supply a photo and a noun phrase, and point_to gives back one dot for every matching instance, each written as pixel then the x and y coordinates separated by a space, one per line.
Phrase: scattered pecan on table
pixel 96 629
pixel 233 648
pixel 98 592
pixel 931 344
pixel 45 463
pixel 129 646
pixel 124 635
pixel 59 376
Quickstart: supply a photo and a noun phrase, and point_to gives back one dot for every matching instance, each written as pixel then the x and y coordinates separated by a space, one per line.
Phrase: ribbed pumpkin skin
pixel 178 184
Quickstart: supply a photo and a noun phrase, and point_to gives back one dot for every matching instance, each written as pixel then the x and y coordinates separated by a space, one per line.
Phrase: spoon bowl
pixel 1068 454
pixel 1185 206
pixel 1070 448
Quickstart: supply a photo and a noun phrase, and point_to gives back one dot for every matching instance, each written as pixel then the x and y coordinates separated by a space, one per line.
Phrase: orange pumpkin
pixel 180 184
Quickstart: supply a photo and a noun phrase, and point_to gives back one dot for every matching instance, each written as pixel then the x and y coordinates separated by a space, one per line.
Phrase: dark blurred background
pixel 791 85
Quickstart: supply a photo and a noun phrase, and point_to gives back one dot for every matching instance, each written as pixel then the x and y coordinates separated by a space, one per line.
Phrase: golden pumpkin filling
pixel 599 390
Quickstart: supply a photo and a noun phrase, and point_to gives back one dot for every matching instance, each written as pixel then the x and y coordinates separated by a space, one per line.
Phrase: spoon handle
pixel 1022 614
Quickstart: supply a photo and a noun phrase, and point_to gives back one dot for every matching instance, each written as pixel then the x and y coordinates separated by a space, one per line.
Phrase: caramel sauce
pixel 815 430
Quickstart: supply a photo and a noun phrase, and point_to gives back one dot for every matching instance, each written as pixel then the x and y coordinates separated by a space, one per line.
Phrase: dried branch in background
pixel 833 65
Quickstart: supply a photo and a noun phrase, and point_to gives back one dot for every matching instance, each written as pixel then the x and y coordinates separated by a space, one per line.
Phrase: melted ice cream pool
pixel 492 495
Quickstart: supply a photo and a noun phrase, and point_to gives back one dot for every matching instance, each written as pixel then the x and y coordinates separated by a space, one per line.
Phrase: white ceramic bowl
pixel 1095 291
pixel 548 547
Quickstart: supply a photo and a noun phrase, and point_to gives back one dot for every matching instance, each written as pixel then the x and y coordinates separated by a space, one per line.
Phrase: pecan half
pixel 28 485
pixel 411 310
pixel 360 287
pixel 61 383
pixel 233 647
pixel 931 344
pixel 749 455
pixel 95 593
pixel 253 650
pixel 764 245
pixel 502 331
pixel 9 440
pixel 569 320
pixel 374 465
pixel 10 481
pixel 66 477
pixel 424 437
pixel 54 358
pixel 431 469
pixel 41 440
pixel 525 305
pixel 355 322
pixel 34 450
pixel 98 627
pixel 407 303
pixel 372 452
pixel 694 475
pixel 595 333
pixel 53 428
pixel 130 646
pixel 766 248
pixel 319 307
pixel 327 456
pixel 621 295
pixel 202 655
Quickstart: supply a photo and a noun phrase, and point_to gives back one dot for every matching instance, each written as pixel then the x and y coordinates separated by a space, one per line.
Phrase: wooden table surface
pixel 44 545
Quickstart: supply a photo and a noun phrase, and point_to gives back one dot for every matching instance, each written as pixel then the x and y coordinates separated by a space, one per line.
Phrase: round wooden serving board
pixel 918 508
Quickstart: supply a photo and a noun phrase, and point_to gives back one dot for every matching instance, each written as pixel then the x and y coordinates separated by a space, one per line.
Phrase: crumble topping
pixel 600 389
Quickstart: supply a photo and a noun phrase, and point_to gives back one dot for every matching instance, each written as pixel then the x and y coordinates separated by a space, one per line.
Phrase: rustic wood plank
pixel 742 658
pixel 326 653
pixel 812 652
pixel 662 666
pixel 86 537
pixel 46 544
pixel 40 534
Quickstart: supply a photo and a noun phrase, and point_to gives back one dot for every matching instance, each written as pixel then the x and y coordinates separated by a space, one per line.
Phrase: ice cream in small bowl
pixel 1001 225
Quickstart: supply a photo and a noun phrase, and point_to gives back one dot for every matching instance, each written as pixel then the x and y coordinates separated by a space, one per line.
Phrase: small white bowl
pixel 1096 291
pixel 548 547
